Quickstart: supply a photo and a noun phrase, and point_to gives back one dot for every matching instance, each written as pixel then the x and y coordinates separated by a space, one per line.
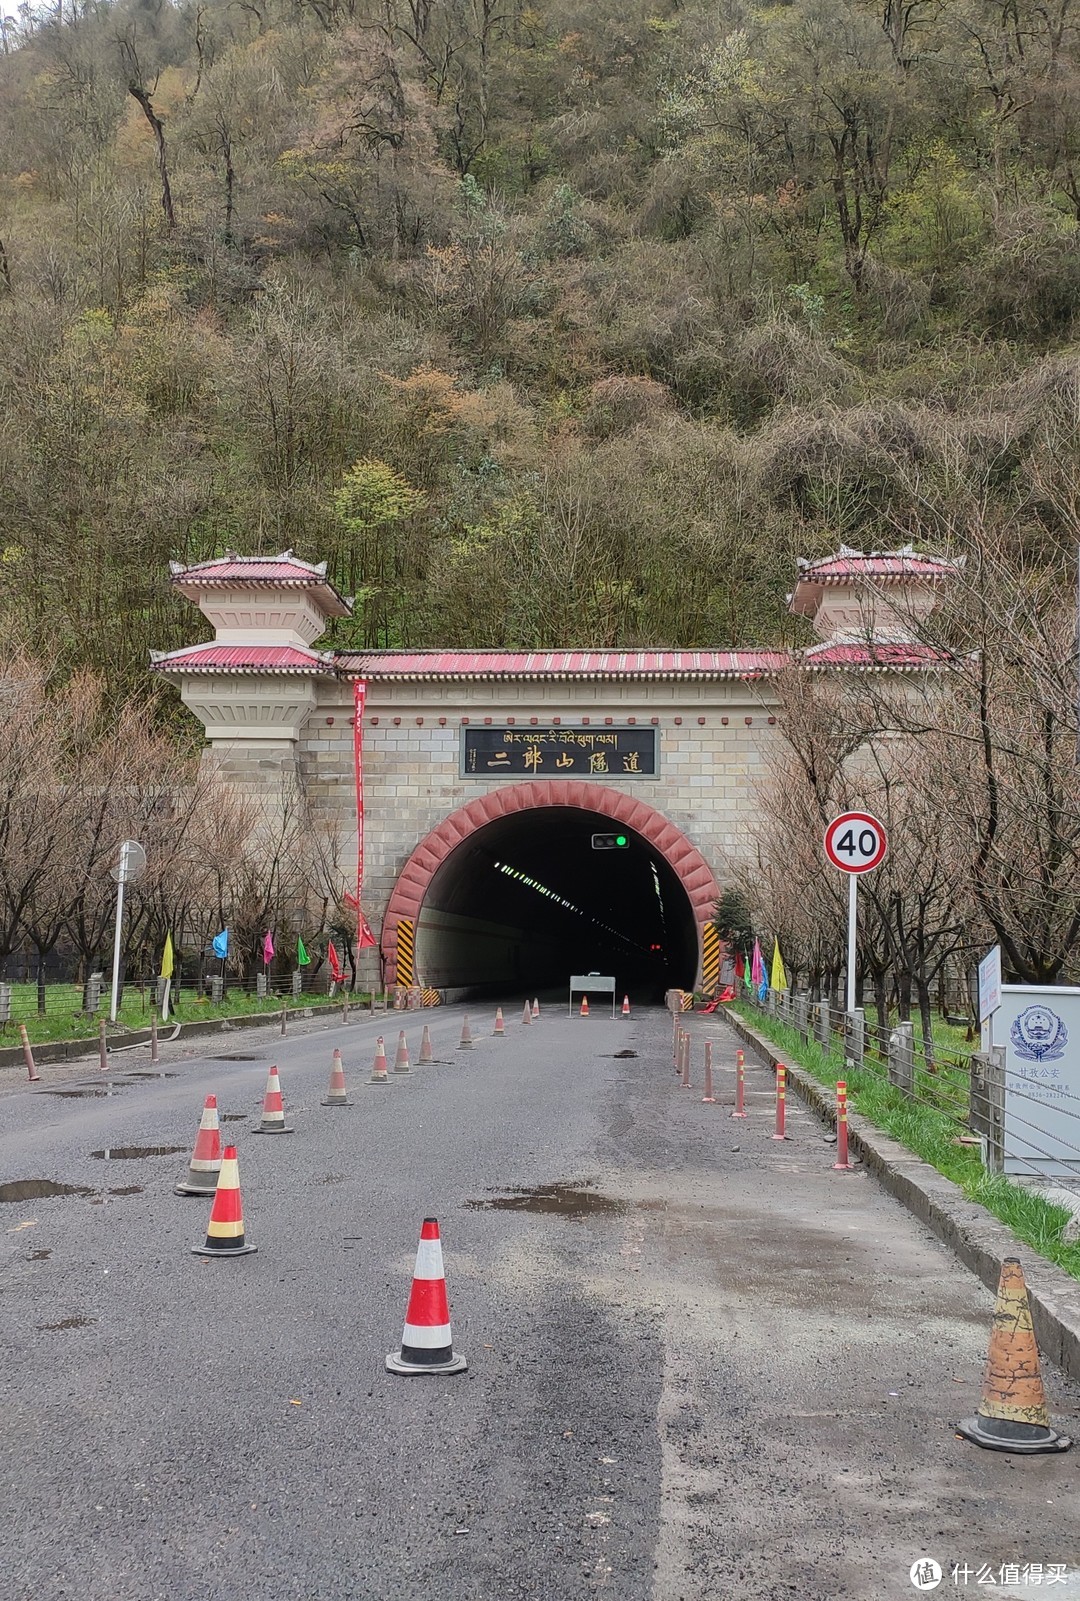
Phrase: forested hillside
pixel 548 324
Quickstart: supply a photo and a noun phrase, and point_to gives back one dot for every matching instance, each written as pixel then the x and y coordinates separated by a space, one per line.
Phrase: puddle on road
pixel 135 1153
pixel 561 1200
pixel 144 1074
pixel 40 1190
pixel 68 1323
pixel 94 1092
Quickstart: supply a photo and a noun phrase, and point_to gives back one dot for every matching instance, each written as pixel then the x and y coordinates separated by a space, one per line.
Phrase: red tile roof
pixel 560 664
pixel 211 658
pixel 284 571
pixel 896 656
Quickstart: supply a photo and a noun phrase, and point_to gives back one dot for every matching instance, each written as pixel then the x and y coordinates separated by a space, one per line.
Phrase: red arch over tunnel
pixel 685 860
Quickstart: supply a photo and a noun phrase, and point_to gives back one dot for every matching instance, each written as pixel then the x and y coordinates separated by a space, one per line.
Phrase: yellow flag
pixel 777 978
pixel 167 958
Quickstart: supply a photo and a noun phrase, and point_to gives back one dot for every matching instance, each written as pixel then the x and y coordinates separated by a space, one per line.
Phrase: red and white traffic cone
pixel 526 1013
pixel 225 1231
pixel 205 1164
pixel 536 1009
pixel 584 1006
pixel 500 1027
pixel 426 1342
pixel 401 1060
pixel 426 1053
pixel 465 1043
pixel 337 1095
pixel 273 1115
pixel 626 1006
pixel 378 1067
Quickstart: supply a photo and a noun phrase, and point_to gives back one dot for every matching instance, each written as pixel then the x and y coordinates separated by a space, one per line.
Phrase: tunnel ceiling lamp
pixel 542 889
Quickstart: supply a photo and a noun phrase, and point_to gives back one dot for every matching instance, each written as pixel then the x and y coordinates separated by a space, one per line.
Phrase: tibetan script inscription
pixel 559 752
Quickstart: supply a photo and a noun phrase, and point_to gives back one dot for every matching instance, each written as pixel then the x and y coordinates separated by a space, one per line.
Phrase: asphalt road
pixel 701 1364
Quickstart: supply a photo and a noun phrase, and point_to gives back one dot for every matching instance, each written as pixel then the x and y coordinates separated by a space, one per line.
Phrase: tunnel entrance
pixel 519 900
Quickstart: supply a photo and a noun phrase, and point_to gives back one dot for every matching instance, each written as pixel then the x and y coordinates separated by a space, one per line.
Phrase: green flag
pixel 302 957
pixel 748 978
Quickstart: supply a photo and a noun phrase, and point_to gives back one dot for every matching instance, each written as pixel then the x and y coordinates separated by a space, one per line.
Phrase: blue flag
pixel 221 944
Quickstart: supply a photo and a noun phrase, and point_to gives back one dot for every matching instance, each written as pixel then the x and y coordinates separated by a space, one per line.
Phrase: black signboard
pixel 559 752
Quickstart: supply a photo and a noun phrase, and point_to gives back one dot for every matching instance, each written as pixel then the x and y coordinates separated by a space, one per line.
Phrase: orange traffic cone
pixel 536 1008
pixel 584 1006
pixel 337 1095
pixel 1012 1413
pixel 426 1342
pixel 225 1231
pixel 426 1053
pixel 205 1164
pixel 401 1060
pixel 526 1014
pixel 378 1067
pixel 500 1027
pixel 273 1116
pixel 465 1043
pixel 626 1006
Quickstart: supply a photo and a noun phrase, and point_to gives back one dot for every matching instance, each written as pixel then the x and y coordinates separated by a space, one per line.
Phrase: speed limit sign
pixel 855 842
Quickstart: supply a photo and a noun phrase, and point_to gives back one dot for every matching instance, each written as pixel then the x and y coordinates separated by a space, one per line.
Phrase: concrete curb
pixel 74 1050
pixel 970 1232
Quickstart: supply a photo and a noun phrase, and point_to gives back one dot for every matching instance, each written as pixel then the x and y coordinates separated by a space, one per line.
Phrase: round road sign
pixel 855 842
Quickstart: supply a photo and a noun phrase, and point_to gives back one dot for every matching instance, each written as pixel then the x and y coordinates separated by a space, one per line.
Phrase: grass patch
pixel 930 1129
pixel 65 1019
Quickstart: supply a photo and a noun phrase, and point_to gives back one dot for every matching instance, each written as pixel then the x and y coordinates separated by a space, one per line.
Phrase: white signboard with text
pixel 990 983
pixel 1039 1026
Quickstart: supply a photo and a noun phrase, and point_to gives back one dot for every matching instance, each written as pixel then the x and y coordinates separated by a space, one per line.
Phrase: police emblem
pixel 1039 1035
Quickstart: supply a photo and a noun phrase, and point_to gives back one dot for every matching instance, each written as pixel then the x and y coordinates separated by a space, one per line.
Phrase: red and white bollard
pixel 153 1040
pixel 842 1163
pixel 103 1049
pixel 781 1101
pixel 28 1055
pixel 686 1062
pixel 708 1099
pixel 740 1086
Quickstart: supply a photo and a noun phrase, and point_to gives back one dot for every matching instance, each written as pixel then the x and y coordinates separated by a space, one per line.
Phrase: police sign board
pixel 1039 1026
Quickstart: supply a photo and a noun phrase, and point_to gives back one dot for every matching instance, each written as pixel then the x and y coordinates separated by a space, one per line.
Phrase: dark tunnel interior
pixel 527 901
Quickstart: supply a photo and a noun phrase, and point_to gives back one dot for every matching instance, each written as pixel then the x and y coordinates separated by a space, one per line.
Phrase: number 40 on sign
pixel 855 842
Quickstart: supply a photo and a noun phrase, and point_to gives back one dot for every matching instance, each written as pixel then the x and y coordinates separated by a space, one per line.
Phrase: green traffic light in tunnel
pixel 610 842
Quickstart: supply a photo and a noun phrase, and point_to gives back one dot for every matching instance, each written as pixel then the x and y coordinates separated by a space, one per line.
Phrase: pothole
pixel 40 1190
pixel 561 1200
pixel 39 1256
pixel 67 1323
pixel 135 1153
pixel 235 1117
pixel 237 1056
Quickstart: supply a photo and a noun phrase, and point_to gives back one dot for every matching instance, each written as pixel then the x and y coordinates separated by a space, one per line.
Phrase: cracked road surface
pixel 701 1363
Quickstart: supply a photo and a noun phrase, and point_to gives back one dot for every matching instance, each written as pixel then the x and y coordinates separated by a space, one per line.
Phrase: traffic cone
pixel 205 1164
pixel 500 1026
pixel 273 1115
pixel 426 1341
pixel 626 1006
pixel 225 1231
pixel 337 1095
pixel 426 1053
pixel 378 1067
pixel 401 1060
pixel 1012 1413
pixel 584 1006
pixel 465 1043
pixel 536 1009
pixel 526 1013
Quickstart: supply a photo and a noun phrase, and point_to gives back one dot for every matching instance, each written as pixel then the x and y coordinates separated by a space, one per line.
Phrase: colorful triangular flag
pixel 777 977
pixel 167 962
pixel 302 957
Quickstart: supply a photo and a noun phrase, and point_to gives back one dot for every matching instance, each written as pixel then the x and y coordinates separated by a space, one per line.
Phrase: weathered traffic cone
pixel 273 1115
pixel 337 1095
pixel 1012 1413
pixel 465 1043
pixel 426 1342
pixel 426 1053
pixel 626 1006
pixel 401 1060
pixel 225 1231
pixel 584 1006
pixel 526 1013
pixel 378 1067
pixel 536 1009
pixel 205 1164
pixel 500 1027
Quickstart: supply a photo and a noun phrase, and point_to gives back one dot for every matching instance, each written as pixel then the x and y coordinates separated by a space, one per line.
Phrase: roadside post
pixel 855 843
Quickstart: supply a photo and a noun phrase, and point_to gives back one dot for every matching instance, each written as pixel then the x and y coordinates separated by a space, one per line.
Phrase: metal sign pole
pixel 852 928
pixel 121 881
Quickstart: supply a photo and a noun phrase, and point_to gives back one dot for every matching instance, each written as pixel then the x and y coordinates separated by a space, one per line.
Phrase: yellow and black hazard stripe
pixel 430 998
pixel 710 959
pixel 406 952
